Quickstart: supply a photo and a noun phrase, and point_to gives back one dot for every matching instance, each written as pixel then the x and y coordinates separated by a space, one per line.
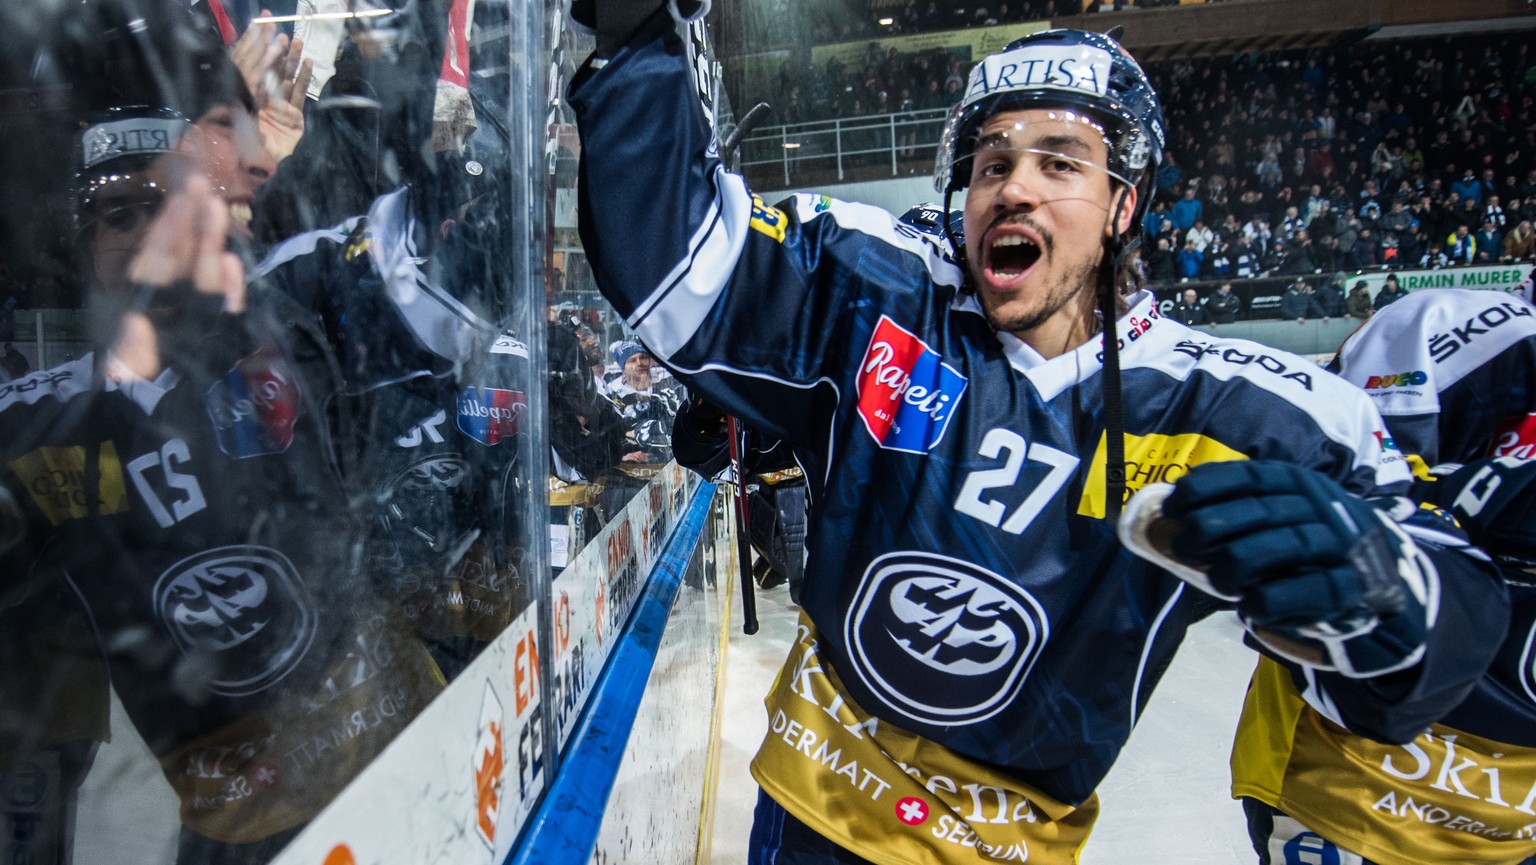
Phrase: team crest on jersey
pixel 941 640
pixel 255 406
pixel 1528 666
pixel 907 393
pixel 241 610
pixel 490 414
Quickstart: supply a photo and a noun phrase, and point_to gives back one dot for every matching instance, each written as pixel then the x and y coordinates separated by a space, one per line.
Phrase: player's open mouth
pixel 1009 255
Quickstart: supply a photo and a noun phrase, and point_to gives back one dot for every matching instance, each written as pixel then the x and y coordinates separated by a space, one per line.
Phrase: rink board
pixel 460 783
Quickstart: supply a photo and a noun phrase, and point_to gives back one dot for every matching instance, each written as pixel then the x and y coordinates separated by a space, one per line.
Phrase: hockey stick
pixel 749 121
pixel 743 536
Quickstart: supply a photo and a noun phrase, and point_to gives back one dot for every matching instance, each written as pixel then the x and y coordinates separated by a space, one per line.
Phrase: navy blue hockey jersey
pixel 968 608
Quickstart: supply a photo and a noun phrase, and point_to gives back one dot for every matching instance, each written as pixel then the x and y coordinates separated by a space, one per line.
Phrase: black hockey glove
pixel 1495 501
pixel 1317 575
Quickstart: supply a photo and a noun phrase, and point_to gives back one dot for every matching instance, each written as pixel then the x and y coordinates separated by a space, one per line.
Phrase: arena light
pixel 886 22
pixel 320 16
pixel 791 145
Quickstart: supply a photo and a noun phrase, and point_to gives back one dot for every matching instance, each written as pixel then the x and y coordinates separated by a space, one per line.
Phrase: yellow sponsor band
pixel 55 479
pixel 1152 459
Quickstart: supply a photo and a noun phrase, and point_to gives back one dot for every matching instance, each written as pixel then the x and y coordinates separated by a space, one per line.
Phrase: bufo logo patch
pixel 942 640
pixel 907 394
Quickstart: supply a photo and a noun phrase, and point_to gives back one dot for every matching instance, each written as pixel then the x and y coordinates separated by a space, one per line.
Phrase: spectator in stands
pixel 1188 308
pixel 1218 259
pixel 1461 245
pixel 1468 186
pixel 1489 243
pixel 1223 306
pixel 1326 254
pixel 1245 258
pixel 1279 259
pixel 1190 260
pixel 1520 242
pixel 1367 253
pixel 1200 235
pixel 1187 211
pixel 1268 171
pixel 1390 291
pixel 1292 223
pixel 1299 303
pixel 1434 258
pixel 1164 264
pixel 1358 304
pixel 1330 296
pixel 1397 219
pixel 14 362
pixel 1493 211
pixel 1391 251
pixel 1301 260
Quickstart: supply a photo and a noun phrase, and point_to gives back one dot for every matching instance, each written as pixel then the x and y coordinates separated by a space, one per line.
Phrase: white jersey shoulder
pixel 1415 348
pixel 880 224
pixel 75 378
pixel 1341 411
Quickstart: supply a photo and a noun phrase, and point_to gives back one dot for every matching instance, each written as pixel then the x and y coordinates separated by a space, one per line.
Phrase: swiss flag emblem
pixel 907 393
pixel 912 811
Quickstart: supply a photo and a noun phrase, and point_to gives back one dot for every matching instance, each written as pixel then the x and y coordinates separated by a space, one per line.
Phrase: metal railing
pixel 868 148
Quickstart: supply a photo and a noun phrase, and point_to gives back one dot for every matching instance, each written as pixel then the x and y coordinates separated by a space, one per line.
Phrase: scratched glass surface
pixel 277 286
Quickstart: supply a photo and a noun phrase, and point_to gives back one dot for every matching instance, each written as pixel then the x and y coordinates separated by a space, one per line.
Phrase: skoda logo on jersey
pixel 490 414
pixel 241 610
pixel 941 640
pixel 254 407
pixel 907 393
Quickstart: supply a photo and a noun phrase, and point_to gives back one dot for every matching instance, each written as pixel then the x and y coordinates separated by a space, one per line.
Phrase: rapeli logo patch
pixel 907 393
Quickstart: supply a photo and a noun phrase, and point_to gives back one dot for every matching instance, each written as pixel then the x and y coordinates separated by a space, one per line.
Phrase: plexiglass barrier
pixel 307 398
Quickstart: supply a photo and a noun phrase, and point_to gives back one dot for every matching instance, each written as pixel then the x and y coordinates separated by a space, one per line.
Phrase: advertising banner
pixel 595 594
pixel 1499 277
pixel 458 785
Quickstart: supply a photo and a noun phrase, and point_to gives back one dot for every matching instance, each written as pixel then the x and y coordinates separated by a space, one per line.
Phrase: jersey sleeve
pixel 745 301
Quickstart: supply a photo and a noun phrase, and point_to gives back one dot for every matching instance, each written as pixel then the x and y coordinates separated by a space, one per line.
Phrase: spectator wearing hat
pixel 1330 296
pixel 1390 292
pixel 1358 303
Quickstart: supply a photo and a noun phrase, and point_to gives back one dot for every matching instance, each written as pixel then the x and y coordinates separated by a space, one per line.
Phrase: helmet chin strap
pixel 954 242
pixel 1115 251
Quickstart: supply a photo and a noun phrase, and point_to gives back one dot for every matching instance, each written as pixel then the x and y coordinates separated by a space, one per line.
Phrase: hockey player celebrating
pixel 976 644
pixel 1461 395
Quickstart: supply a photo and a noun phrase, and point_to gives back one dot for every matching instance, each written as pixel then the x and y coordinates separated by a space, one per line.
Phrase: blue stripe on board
pixel 563 831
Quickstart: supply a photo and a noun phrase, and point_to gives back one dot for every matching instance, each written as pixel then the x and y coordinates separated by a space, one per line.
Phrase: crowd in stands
pixel 1413 153
pixel 1398 154
pixel 925 16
